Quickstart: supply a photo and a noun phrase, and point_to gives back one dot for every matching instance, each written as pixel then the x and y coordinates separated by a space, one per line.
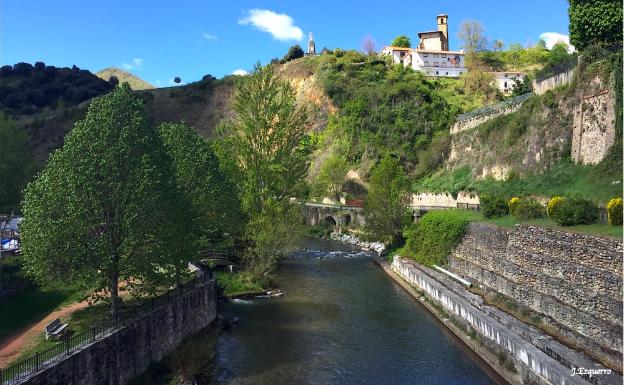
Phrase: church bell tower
pixel 443 27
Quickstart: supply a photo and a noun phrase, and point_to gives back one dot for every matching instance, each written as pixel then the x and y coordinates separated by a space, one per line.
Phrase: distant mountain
pixel 135 82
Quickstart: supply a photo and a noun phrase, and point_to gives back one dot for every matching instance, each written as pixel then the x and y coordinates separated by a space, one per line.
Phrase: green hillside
pixel 135 82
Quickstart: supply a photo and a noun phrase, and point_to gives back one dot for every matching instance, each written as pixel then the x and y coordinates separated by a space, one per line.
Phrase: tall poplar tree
pixel 106 207
pixel 270 151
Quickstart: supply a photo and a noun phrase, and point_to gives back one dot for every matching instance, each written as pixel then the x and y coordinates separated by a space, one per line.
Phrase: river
pixel 341 321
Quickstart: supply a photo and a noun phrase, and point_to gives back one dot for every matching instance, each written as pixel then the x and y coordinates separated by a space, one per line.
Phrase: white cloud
pixel 280 25
pixel 240 72
pixel 136 63
pixel 209 36
pixel 552 38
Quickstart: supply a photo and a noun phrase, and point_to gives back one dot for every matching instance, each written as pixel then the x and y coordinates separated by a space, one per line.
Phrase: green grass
pixel 31 306
pixel 565 178
pixel 237 283
pixel 598 229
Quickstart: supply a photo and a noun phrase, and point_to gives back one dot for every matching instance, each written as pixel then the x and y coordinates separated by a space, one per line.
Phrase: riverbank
pixel 491 360
pixel 349 239
pixel 518 352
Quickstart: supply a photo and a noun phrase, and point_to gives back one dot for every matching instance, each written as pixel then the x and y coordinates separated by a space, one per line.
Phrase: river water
pixel 341 321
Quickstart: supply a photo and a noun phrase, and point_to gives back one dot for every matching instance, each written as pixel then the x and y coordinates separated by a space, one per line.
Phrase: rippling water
pixel 341 321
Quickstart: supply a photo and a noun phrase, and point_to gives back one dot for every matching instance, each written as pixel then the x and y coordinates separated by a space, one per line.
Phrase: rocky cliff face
pixel 578 121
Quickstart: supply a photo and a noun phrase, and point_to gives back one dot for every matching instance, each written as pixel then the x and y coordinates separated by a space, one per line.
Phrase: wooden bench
pixel 55 329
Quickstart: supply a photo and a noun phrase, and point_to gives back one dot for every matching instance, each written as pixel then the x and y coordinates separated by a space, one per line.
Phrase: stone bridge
pixel 320 214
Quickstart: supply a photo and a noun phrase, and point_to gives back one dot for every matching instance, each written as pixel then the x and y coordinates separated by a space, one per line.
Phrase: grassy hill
pixel 361 107
pixel 135 82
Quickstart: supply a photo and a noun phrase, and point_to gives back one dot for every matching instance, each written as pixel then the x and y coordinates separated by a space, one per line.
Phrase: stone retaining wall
pixel 532 363
pixel 126 353
pixel 574 279
pixel 552 82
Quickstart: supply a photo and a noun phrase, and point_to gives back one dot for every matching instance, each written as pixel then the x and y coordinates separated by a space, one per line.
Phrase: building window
pixel 446 73
pixel 437 73
pixel 443 64
pixel 443 55
pixel 436 55
pixel 427 63
pixel 425 54
pixel 436 64
pixel 505 85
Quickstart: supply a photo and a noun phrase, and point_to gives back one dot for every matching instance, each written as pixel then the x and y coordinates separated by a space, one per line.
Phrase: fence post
pixel 93 334
pixel 37 361
pixel 67 346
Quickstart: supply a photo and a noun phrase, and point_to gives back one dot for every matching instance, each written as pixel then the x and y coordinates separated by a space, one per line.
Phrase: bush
pixel 575 211
pixel 435 235
pixel 513 204
pixel 614 211
pixel 528 209
pixel 552 203
pixel 493 206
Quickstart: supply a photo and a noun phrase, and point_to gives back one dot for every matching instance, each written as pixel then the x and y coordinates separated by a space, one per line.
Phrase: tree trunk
pixel 114 290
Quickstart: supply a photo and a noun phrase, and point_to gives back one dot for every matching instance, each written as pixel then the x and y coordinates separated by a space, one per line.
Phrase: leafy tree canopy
pixel 267 151
pixel 595 22
pixel 294 52
pixel 211 193
pixel 401 41
pixel 386 207
pixel 106 208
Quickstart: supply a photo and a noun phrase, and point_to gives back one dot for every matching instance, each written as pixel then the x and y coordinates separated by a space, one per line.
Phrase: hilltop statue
pixel 311 46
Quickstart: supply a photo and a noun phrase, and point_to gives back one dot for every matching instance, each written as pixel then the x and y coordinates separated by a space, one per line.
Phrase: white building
pixel 432 55
pixel 506 80
pixel 437 63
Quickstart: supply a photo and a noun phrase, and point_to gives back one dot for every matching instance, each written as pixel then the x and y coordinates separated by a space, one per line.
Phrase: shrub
pixel 614 211
pixel 528 209
pixel 435 235
pixel 513 204
pixel 575 211
pixel 552 203
pixel 493 206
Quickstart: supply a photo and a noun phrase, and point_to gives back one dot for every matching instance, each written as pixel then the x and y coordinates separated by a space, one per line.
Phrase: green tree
pixel 386 207
pixel 401 41
pixel 595 22
pixel 294 52
pixel 331 176
pixel 269 153
pixel 211 193
pixel 16 164
pixel 106 208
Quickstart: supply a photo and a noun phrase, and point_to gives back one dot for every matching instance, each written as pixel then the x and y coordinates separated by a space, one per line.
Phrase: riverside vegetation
pixel 387 124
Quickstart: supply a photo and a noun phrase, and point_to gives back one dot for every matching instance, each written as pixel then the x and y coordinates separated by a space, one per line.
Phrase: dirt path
pixel 14 345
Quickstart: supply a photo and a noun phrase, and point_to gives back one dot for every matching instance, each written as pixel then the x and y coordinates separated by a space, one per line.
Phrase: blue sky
pixel 158 40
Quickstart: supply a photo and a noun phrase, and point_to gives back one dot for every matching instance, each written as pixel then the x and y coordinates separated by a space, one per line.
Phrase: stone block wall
pixel 593 123
pixel 473 119
pixel 126 353
pixel 573 279
pixel 531 363
pixel 552 82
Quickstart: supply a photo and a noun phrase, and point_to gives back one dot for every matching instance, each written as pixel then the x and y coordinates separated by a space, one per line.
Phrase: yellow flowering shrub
pixel 614 211
pixel 513 204
pixel 554 201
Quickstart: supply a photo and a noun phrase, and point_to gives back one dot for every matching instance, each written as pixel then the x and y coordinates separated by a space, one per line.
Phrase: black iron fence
pixel 24 368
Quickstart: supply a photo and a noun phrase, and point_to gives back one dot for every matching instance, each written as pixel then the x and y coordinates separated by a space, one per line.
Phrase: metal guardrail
pixel 43 359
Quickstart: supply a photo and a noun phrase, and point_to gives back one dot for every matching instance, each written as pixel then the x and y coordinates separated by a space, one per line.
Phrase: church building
pixel 432 55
